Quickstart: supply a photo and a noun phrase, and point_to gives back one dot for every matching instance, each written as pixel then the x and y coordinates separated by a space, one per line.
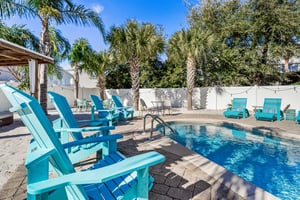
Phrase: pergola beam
pixel 15 55
pixel 12 54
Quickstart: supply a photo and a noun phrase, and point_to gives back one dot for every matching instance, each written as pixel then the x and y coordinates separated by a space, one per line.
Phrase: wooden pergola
pixel 15 55
pixel 12 54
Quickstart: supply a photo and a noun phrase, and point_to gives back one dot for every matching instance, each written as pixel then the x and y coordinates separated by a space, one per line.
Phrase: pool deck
pixel 184 174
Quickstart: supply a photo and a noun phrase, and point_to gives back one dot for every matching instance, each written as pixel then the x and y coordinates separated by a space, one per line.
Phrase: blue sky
pixel 169 14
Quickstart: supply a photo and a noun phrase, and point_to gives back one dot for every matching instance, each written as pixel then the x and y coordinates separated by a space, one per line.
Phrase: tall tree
pixel 228 21
pixel 60 12
pixel 275 27
pixel 251 37
pixel 97 65
pixel 80 51
pixel 135 44
pixel 60 50
pixel 191 46
pixel 118 77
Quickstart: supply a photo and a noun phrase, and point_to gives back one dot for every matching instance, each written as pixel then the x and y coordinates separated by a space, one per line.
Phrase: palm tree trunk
pixel 265 51
pixel 76 83
pixel 191 67
pixel 135 82
pixel 44 46
pixel 101 85
pixel 286 64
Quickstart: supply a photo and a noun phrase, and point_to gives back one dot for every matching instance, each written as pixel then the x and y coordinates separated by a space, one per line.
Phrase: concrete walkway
pixel 184 174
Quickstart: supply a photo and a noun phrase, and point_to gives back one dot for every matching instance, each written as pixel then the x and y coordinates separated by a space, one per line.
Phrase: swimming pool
pixel 269 162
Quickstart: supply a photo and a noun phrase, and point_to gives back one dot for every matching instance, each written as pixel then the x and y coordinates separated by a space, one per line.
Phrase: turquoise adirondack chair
pixel 63 108
pixel 113 177
pixel 238 109
pixel 67 125
pixel 271 110
pixel 298 118
pixel 112 115
pixel 124 111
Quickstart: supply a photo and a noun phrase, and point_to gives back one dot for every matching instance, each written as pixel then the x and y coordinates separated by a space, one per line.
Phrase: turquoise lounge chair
pixel 298 118
pixel 238 109
pixel 124 111
pixel 63 108
pixel 112 115
pixel 270 111
pixel 114 177
pixel 67 125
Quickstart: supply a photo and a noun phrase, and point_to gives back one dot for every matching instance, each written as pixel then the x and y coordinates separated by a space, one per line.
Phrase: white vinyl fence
pixel 211 98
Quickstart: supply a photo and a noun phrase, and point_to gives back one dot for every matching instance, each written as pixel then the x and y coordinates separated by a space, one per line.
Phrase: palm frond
pixel 80 15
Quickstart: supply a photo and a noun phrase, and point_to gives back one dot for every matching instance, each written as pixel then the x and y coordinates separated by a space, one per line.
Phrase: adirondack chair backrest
pixel 63 108
pixel 99 106
pixel 272 105
pixel 34 118
pixel 117 101
pixel 97 102
pixel 238 104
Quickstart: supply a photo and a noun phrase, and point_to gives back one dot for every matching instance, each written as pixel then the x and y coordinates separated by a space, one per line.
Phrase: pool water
pixel 268 162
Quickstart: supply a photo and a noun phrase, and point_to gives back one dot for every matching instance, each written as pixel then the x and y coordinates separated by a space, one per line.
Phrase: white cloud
pixel 98 8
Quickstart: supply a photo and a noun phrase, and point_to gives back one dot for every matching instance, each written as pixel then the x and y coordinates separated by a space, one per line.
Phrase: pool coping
pixel 270 131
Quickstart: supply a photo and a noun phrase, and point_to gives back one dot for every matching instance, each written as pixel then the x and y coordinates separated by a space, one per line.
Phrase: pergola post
pixel 33 77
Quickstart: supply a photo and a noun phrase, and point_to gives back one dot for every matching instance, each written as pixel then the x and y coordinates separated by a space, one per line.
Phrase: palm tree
pixel 60 50
pixel 135 44
pixel 60 45
pixel 192 46
pixel 97 65
pixel 19 34
pixel 80 50
pixel 59 11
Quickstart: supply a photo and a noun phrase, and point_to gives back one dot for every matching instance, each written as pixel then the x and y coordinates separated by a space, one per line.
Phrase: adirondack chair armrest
pixel 38 156
pixel 124 108
pixel 89 140
pixel 109 111
pixel 128 165
pixel 84 129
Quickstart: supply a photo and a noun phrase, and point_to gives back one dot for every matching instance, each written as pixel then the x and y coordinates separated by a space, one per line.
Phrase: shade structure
pixel 15 55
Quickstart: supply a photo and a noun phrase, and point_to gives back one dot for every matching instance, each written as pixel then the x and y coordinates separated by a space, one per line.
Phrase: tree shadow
pixel 14 136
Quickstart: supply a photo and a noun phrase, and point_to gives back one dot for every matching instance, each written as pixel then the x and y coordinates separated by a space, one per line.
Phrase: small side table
pixel 290 115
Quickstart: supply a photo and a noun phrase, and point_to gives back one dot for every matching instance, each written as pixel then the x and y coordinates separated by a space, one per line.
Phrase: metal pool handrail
pixel 159 121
